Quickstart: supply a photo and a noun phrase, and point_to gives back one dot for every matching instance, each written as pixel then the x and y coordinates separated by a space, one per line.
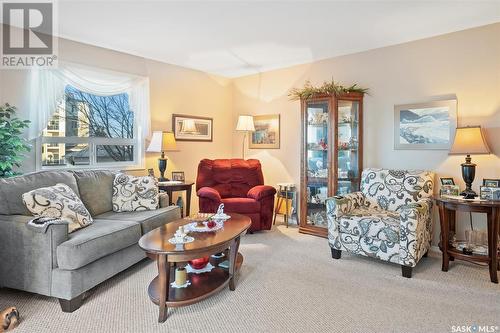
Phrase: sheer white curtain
pixel 46 91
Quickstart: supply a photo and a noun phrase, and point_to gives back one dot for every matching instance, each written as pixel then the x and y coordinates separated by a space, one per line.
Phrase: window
pixel 90 131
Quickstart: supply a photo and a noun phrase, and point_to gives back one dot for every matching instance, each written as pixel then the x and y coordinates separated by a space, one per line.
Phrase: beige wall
pixel 464 64
pixel 173 89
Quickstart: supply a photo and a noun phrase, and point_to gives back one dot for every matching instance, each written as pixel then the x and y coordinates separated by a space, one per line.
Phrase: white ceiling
pixel 239 38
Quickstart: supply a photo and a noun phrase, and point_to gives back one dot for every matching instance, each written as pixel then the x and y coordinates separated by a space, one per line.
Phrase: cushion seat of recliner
pixel 98 240
pixel 373 223
pixel 148 219
pixel 241 205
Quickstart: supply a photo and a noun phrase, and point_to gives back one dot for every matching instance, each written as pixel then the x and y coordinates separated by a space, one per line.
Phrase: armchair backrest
pixel 391 189
pixel 232 178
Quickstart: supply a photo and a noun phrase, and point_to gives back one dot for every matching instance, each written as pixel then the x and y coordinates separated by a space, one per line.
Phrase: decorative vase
pixel 199 263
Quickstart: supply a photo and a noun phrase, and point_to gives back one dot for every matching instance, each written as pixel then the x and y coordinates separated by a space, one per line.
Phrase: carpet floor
pixel 288 283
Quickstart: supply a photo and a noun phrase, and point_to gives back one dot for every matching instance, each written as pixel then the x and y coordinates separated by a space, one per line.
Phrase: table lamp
pixel 468 141
pixel 160 143
pixel 245 124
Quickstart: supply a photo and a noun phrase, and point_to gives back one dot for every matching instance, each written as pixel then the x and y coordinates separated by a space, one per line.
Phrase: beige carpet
pixel 288 283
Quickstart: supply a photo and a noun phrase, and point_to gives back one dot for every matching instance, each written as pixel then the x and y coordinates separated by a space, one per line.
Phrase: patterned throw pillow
pixel 58 201
pixel 132 193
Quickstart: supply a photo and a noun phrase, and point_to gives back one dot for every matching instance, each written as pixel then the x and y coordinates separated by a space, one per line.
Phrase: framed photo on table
pixel 425 125
pixel 447 181
pixel 178 176
pixel 192 128
pixel 491 182
pixel 267 132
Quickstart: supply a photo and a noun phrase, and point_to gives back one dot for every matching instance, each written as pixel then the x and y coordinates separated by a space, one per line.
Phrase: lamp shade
pixel 189 126
pixel 469 140
pixel 162 141
pixel 245 123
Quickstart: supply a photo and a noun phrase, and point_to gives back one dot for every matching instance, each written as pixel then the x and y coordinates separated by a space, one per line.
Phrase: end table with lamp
pixel 160 143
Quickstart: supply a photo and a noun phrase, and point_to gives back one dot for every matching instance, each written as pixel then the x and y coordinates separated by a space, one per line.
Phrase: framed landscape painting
pixel 192 128
pixel 267 132
pixel 426 125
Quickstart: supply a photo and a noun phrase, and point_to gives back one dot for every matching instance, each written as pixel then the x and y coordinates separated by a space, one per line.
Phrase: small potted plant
pixel 12 144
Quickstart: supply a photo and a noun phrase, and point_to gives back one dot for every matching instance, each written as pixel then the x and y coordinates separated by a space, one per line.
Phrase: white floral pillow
pixel 58 201
pixel 132 193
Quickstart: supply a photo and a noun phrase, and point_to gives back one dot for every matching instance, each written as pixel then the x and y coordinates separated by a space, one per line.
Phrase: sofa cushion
pixel 58 201
pixel 241 205
pixel 12 189
pixel 132 193
pixel 92 182
pixel 373 223
pixel 98 240
pixel 148 219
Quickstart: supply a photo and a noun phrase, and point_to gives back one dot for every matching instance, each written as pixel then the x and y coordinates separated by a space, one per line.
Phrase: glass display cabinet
pixel 332 154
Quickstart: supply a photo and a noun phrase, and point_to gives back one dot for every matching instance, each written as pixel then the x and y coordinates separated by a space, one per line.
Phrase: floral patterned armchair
pixel 389 219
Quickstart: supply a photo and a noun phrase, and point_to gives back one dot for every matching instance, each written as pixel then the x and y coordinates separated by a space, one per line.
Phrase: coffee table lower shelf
pixel 202 285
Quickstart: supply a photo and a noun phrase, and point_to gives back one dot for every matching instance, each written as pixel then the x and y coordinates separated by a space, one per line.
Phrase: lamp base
pixel 468 194
pixel 468 174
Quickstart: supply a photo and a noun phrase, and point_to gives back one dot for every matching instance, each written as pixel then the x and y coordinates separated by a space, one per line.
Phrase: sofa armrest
pixel 338 206
pixel 163 199
pixel 209 193
pixel 27 257
pixel 260 192
pixel 415 231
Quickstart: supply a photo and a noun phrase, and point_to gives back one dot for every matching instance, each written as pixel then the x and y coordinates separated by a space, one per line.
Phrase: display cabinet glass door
pixel 317 162
pixel 348 173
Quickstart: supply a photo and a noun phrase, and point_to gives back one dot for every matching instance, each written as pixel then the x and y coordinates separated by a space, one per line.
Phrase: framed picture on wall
pixel 267 132
pixel 192 128
pixel 426 125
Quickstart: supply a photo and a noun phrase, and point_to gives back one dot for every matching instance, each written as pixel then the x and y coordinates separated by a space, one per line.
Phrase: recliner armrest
pixel 209 193
pixel 260 192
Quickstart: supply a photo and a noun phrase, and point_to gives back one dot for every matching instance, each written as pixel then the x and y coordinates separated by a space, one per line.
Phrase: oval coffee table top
pixel 156 241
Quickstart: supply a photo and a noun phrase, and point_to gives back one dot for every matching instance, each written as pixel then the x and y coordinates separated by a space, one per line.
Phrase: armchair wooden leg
pixel 336 254
pixel 72 304
pixel 406 270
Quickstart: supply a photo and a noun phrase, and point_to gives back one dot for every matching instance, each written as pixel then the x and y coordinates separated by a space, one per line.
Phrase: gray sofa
pixel 64 265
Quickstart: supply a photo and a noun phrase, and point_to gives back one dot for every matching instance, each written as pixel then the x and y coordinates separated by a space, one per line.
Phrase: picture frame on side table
pixel 425 126
pixel 449 190
pixel 447 181
pixel 192 128
pixel 488 182
pixel 178 176
pixel 489 193
pixel 267 132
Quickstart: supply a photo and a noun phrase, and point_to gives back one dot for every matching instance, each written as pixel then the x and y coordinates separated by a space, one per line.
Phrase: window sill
pixel 94 167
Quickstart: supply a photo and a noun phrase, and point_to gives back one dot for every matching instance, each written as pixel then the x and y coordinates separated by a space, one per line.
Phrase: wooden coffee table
pixel 157 247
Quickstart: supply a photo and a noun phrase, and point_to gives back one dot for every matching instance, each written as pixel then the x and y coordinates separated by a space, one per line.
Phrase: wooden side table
pixel 447 209
pixel 170 188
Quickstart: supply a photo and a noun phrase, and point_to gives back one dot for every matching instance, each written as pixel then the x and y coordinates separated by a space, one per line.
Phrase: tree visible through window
pixel 88 129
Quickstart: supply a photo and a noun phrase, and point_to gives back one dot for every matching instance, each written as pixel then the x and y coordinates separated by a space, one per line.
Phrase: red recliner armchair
pixel 239 185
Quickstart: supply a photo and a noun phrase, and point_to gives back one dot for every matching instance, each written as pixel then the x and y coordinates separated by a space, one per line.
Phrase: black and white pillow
pixel 132 193
pixel 58 201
